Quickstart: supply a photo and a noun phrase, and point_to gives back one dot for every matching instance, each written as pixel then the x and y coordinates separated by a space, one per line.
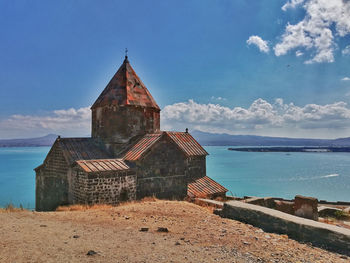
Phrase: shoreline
pixel 287 149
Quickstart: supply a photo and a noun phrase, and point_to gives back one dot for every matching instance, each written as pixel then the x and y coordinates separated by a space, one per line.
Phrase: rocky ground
pixel 130 233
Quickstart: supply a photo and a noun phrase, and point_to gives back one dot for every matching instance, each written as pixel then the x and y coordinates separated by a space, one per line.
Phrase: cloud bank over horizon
pixel 70 122
pixel 264 118
pixel 261 118
pixel 324 23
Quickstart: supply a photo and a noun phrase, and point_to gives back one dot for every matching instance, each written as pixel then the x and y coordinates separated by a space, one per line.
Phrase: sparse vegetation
pixel 82 207
pixel 341 215
pixel 11 208
pixel 102 206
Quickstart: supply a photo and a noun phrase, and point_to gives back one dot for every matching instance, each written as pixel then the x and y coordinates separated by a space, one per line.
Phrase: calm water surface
pixel 322 175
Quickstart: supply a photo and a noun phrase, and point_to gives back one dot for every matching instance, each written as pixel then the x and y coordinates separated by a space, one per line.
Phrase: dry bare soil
pixel 195 235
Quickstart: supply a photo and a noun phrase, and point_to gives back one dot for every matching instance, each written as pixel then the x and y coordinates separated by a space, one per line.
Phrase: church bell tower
pixel 124 110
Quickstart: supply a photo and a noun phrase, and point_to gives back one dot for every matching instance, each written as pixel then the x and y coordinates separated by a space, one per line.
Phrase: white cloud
pixel 315 32
pixel 291 4
pixel 218 98
pixel 69 122
pixel 261 117
pixel 298 53
pixel 346 50
pixel 259 42
pixel 345 79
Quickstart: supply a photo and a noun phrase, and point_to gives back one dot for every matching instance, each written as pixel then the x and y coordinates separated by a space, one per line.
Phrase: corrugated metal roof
pixel 184 140
pixel 187 143
pixel 81 149
pixel 103 165
pixel 126 88
pixel 141 146
pixel 204 187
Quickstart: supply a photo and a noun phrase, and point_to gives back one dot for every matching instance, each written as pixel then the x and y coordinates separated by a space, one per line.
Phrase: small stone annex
pixel 127 157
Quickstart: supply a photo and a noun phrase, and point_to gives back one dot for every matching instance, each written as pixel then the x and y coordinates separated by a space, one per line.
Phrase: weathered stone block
pixel 306 207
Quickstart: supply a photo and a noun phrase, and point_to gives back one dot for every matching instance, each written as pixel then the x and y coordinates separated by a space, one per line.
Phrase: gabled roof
pixel 125 88
pixel 204 187
pixel 141 146
pixel 187 143
pixel 81 149
pixel 102 165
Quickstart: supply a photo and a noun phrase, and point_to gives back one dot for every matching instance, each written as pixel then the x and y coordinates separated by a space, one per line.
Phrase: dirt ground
pixel 195 235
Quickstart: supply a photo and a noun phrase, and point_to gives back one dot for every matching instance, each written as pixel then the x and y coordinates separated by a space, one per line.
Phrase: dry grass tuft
pixel 149 199
pixel 102 206
pixel 83 207
pixel 9 208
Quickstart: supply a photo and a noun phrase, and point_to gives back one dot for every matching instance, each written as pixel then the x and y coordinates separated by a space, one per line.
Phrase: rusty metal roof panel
pixel 187 143
pixel 102 165
pixel 204 187
pixel 141 146
pixel 81 149
pixel 126 88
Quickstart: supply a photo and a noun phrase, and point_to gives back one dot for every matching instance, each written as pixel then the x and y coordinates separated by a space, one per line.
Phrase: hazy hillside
pixel 252 140
pixel 47 140
pixel 205 138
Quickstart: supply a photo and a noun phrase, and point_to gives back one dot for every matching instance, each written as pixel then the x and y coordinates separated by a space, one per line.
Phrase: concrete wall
pixel 118 124
pixel 103 188
pixel 301 229
pixel 51 181
pixel 162 172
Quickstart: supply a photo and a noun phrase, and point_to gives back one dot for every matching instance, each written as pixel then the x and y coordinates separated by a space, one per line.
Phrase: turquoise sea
pixel 322 175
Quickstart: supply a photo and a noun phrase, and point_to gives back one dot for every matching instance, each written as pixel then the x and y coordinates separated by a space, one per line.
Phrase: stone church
pixel 127 157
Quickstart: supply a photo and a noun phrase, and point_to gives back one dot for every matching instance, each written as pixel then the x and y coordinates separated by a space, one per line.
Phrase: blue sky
pixel 277 68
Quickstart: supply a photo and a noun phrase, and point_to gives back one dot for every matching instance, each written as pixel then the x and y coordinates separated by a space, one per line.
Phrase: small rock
pixel 43 225
pixel 182 238
pixel 91 253
pixel 76 236
pixel 343 257
pixel 267 236
pixel 177 243
pixel 246 243
pixel 163 229
pixel 144 229
pixel 127 217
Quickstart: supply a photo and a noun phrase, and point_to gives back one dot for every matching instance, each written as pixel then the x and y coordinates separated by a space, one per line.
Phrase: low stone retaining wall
pixel 319 234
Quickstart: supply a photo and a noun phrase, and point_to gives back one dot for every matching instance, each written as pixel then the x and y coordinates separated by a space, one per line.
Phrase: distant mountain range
pixel 47 140
pixel 204 138
pixel 215 139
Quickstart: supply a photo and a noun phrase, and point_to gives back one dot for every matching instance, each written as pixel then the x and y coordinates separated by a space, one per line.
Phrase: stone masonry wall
pixel 196 167
pixel 118 124
pixel 162 172
pixel 301 229
pixel 103 188
pixel 51 181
